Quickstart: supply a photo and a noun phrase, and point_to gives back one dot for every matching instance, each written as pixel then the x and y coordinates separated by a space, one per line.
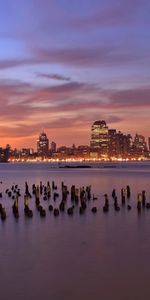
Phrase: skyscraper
pixel 112 144
pixel 123 145
pixel 53 147
pixel 99 138
pixel 149 143
pixel 139 145
pixel 43 144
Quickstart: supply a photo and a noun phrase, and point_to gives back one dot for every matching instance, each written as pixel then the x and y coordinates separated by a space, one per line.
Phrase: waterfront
pixel 102 256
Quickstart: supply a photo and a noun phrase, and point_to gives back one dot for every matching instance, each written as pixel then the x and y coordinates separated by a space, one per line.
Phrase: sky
pixel 65 64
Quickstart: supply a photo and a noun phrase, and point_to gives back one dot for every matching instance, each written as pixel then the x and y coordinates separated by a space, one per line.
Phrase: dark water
pixel 102 256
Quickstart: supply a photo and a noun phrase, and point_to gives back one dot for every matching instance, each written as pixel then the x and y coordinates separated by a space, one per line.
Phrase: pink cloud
pixel 72 106
pixel 117 13
pixel 137 97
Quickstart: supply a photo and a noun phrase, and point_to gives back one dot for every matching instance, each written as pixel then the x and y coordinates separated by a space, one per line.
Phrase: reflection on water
pixel 102 256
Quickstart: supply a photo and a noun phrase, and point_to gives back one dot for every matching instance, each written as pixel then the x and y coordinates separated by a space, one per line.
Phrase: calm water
pixel 92 257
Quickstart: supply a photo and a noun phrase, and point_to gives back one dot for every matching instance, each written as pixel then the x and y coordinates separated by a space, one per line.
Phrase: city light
pixel 105 145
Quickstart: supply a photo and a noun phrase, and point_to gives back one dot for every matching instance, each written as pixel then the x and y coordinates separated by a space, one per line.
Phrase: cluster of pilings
pixel 79 199
pixel 125 196
pixel 141 201
pixel 78 196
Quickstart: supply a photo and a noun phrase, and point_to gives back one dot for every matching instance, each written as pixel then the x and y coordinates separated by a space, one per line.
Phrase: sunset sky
pixel 65 64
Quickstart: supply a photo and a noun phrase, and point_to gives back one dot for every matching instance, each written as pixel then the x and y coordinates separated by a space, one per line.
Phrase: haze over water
pixel 101 256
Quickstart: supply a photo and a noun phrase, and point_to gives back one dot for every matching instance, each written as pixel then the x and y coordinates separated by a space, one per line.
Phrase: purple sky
pixel 65 64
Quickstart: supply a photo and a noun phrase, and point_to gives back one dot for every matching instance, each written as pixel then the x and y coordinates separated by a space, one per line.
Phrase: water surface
pixel 102 256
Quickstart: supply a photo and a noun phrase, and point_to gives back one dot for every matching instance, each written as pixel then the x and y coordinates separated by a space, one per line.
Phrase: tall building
pixel 53 147
pixel 3 155
pixel 139 145
pixel 112 143
pixel 119 144
pixel 123 145
pixel 99 139
pixel 149 143
pixel 43 144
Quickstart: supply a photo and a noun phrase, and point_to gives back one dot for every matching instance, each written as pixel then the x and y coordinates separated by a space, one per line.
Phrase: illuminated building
pixel 83 151
pixel 140 146
pixel 43 145
pixel 119 144
pixel 112 143
pixel 3 155
pixel 149 143
pixel 53 147
pixel 26 152
pixel 7 151
pixel 99 139
pixel 123 145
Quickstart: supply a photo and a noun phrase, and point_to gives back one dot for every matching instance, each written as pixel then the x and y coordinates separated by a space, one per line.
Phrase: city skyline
pixel 105 144
pixel 64 65
pixel 48 142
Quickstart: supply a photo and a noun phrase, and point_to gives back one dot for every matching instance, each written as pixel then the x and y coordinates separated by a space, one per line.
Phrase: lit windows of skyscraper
pixel 123 145
pixel 99 139
pixel 112 144
pixel 43 144
pixel 139 145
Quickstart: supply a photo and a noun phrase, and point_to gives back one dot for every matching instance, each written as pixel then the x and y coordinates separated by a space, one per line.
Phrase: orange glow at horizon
pixel 66 136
